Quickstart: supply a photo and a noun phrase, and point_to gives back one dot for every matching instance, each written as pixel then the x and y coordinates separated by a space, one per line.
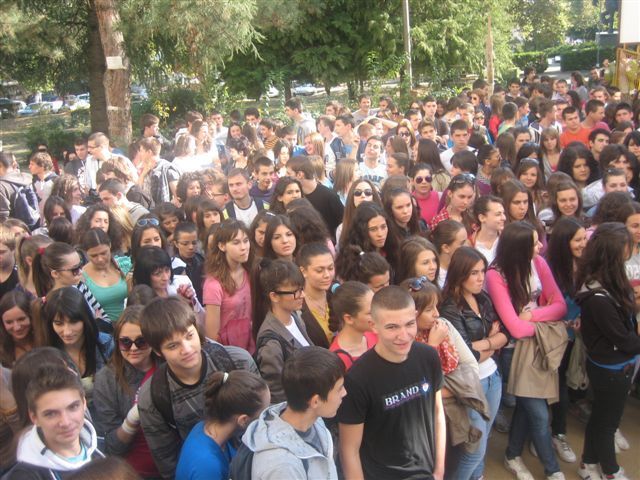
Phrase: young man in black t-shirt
pixel 392 422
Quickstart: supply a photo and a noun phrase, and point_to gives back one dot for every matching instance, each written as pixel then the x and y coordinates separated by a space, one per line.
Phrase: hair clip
pixel 335 287
pixel 43 300
pixel 41 250
pixel 225 377
pixel 361 253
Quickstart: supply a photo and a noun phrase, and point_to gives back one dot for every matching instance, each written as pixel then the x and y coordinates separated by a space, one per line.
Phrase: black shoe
pixel 502 422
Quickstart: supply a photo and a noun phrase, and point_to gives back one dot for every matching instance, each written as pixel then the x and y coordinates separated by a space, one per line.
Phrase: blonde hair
pixel 121 214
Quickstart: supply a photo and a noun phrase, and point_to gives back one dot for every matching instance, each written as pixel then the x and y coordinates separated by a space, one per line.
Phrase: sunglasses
pixel 125 343
pixel 75 271
pixel 143 222
pixel 416 284
pixel 480 117
pixel 426 178
pixel 359 193
pixel 296 293
pixel 404 134
pixel 464 178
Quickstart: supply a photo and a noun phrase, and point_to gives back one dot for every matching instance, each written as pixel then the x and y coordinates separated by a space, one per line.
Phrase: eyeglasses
pixel 75 271
pixel 416 284
pixel 479 117
pixel 143 222
pixel 359 193
pixel 464 178
pixel 296 293
pixel 426 178
pixel 404 134
pixel 125 343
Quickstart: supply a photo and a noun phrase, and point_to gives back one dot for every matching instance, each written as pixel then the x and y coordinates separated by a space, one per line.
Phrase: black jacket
pixel 470 326
pixel 609 333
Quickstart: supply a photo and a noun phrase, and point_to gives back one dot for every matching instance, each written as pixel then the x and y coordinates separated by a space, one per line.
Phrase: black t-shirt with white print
pixel 396 403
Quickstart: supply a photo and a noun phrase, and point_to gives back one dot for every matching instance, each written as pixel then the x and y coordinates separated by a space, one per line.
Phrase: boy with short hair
pixel 188 260
pixel 172 402
pixel 61 439
pixel 263 184
pixel 392 421
pixel 242 206
pixel 289 439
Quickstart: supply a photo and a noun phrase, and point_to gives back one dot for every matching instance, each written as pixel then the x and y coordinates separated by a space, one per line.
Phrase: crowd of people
pixel 365 294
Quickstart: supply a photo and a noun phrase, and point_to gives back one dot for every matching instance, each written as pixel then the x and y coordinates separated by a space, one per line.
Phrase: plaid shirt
pixel 440 217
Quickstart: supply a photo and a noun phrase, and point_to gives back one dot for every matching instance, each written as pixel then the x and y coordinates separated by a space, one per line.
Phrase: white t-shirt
pixel 445 157
pixel 246 215
pixel 297 334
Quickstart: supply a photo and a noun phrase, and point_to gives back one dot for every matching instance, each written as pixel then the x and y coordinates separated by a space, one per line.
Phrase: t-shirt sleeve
pixel 436 368
pixel 353 409
pixel 212 292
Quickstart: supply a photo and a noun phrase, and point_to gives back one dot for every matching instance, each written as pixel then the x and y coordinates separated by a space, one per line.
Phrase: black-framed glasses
pixel 296 293
pixel 404 134
pixel 75 271
pixel 464 178
pixel 143 222
pixel 416 284
pixel 366 192
pixel 125 343
pixel 427 178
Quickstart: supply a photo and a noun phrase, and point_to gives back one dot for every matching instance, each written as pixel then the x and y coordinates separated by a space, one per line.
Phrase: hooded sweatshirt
pixel 280 452
pixel 36 461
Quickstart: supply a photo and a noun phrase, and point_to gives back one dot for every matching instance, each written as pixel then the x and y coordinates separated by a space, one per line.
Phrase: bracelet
pixel 128 429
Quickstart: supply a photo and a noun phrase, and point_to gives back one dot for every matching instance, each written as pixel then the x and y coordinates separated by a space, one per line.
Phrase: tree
pixel 542 23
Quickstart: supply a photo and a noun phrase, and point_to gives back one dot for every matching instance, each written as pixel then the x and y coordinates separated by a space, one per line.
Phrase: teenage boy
pixel 172 402
pixel 324 200
pixel 598 139
pixel 546 112
pixel 344 126
pixel 242 206
pixel 364 109
pixel 11 182
pixel 158 177
pixel 594 115
pixel 392 422
pixel 371 168
pixel 574 131
pixel 263 185
pixel 150 125
pixel 76 167
pixel 188 261
pixel 99 152
pixel 113 192
pixel 333 145
pixel 41 168
pixel 460 137
pixel 442 129
pixel 290 439
pixel 61 440
pixel 267 130
pixel 303 122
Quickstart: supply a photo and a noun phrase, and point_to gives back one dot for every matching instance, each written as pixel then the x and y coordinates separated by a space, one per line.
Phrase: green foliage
pixel 584 19
pixel 58 133
pixel 537 60
pixel 583 57
pixel 541 23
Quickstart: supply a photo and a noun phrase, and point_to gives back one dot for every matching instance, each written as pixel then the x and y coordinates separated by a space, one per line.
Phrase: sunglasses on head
pixel 427 178
pixel 366 192
pixel 464 178
pixel 416 284
pixel 143 222
pixel 125 343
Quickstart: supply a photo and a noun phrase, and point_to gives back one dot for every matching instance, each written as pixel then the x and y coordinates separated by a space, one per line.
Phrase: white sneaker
pixel 619 475
pixel 621 442
pixel 556 476
pixel 589 471
pixel 518 468
pixel 562 448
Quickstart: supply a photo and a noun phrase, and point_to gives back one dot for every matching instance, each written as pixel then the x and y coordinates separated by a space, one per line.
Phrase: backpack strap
pixel 219 356
pixel 161 396
pixel 269 335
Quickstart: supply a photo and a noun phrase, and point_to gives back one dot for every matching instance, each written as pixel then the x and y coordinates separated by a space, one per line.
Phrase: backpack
pixel 242 463
pixel 25 206
pixel 160 394
pixel 268 336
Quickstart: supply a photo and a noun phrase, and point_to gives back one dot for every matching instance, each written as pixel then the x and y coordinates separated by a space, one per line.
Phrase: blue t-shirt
pixel 201 458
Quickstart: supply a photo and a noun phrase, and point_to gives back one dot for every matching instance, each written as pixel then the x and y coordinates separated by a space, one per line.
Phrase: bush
pixel 584 57
pixel 537 60
pixel 56 133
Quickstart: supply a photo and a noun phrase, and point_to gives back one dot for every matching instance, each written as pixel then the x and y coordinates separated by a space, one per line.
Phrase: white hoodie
pixel 33 451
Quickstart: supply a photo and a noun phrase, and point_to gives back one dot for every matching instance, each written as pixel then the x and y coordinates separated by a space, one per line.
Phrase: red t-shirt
pixel 346 358
pixel 428 205
pixel 581 136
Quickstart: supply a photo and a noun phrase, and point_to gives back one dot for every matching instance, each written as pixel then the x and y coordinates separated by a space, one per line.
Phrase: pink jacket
pixel 552 305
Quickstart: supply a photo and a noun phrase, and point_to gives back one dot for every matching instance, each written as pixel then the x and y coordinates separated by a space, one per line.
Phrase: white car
pixel 306 89
pixel 272 92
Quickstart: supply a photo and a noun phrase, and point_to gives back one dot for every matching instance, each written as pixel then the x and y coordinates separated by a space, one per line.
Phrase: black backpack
pixel 160 395
pixel 25 206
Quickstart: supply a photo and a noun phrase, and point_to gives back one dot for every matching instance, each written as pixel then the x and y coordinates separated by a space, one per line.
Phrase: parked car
pixel 9 108
pixel 40 108
pixel 306 89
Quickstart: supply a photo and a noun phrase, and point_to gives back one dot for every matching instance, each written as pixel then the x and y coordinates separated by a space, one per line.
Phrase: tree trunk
pixel 116 78
pixel 96 65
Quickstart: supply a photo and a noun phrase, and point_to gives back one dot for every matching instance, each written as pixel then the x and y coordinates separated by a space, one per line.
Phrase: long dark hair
pixel 272 224
pixel 142 225
pixel 513 261
pixel 353 263
pixel 216 263
pixel 346 300
pixel 14 298
pixel 114 231
pixel 277 206
pixel 45 261
pixel 350 207
pixel 428 154
pixel 561 261
pixel 603 261
pixel 236 393
pixel 413 227
pixel 462 262
pixel 69 302
pixel 149 260
pixel 410 248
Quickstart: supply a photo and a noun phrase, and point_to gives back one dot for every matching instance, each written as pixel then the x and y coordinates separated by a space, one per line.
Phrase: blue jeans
pixel 531 419
pixel 504 363
pixel 470 465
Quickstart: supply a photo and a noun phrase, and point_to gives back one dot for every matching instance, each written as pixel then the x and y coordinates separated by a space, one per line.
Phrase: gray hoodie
pixel 279 452
pixel 34 456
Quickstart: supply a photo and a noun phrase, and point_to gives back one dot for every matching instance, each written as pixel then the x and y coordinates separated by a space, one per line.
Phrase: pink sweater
pixel 552 305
